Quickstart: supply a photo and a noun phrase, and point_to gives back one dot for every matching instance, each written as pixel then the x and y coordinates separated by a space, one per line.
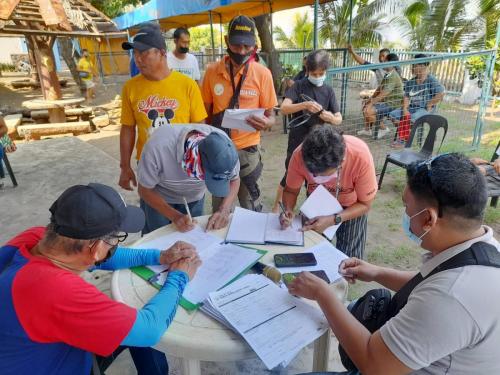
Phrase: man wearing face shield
pixel 344 165
pixel 180 59
pixel 52 320
pixel 449 324
pixel 238 81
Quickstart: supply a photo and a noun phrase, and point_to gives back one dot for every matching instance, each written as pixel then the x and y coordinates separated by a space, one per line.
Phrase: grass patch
pixel 492 216
pixel 402 257
pixel 393 227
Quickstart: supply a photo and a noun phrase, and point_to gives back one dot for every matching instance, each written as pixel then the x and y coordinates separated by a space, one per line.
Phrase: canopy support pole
pixel 343 90
pixel 315 35
pixel 221 31
pixel 212 34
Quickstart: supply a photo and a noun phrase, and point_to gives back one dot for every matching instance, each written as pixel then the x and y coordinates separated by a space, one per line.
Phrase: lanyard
pixel 236 89
pixel 337 188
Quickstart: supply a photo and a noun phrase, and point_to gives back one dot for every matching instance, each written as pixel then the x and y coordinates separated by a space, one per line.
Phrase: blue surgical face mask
pixel 406 227
pixel 317 81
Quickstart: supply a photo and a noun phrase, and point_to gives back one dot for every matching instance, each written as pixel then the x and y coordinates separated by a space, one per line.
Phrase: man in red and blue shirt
pixel 51 320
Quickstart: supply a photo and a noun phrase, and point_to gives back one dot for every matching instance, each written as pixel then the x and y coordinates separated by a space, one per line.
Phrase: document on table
pixel 322 203
pixel 236 118
pixel 274 323
pixel 328 258
pixel 221 263
pixel 196 237
pixel 252 227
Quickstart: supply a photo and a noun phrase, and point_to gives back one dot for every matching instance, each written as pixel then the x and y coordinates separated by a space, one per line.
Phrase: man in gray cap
pixel 178 164
pixel 51 316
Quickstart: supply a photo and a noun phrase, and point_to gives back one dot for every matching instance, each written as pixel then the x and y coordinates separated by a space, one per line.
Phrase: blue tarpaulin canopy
pixel 178 13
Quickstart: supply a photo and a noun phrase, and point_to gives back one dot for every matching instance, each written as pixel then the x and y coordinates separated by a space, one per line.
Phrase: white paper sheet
pixel 220 265
pixel 275 324
pixel 290 236
pixel 322 203
pixel 247 227
pixel 196 237
pixel 328 258
pixel 236 118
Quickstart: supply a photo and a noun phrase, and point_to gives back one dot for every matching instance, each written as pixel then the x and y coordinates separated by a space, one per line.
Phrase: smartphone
pixel 288 277
pixel 295 260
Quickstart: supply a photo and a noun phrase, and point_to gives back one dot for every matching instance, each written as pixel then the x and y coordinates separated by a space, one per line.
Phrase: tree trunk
pixel 263 24
pixel 67 53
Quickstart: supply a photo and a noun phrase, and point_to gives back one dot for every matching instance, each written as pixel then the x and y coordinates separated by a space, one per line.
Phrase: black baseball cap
pixel 91 211
pixel 242 31
pixel 147 37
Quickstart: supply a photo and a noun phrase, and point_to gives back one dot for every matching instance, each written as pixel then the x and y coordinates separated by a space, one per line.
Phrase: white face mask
pixel 317 81
pixel 324 179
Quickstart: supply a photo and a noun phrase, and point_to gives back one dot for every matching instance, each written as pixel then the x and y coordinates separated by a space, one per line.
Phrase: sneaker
pixel 382 133
pixel 365 132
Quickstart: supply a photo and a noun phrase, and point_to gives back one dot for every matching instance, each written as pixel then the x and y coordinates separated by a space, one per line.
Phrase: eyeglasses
pixel 427 164
pixel 119 239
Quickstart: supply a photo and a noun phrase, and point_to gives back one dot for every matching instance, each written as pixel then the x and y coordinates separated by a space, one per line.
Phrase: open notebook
pixel 252 227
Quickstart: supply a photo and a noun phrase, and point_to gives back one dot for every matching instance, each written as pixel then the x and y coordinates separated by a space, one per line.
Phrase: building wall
pixel 8 46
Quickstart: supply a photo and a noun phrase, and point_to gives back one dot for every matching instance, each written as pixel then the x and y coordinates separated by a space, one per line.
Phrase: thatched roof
pixel 54 18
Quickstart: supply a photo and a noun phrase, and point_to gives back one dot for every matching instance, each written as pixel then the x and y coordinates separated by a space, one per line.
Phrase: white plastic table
pixel 194 336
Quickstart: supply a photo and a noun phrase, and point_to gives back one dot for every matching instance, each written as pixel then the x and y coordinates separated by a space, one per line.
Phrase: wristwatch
pixel 337 219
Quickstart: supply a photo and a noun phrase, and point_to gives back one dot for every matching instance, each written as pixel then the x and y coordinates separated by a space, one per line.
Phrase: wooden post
pixel 32 60
pixel 49 82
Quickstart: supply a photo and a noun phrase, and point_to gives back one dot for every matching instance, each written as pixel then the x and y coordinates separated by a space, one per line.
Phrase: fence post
pixel 486 90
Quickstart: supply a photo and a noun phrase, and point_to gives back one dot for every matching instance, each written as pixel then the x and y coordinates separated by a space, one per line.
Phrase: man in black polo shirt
pixel 309 95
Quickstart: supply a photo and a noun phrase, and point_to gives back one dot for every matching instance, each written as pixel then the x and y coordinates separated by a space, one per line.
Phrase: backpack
pixel 377 306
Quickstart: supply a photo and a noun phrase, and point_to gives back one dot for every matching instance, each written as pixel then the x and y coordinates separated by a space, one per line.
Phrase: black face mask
pixel 237 58
pixel 110 253
pixel 183 49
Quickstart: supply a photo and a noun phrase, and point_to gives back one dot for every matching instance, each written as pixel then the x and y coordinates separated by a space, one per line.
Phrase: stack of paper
pixel 322 203
pixel 274 323
pixel 259 228
pixel 221 264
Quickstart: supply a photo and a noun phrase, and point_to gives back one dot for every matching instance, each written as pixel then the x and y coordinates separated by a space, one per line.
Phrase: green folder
pixel 146 274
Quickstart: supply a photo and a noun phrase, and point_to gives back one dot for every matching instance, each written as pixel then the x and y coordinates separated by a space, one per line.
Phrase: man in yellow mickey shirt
pixel 156 97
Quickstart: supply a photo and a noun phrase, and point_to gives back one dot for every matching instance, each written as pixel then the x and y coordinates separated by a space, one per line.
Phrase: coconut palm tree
pixel 301 35
pixel 440 25
pixel 366 21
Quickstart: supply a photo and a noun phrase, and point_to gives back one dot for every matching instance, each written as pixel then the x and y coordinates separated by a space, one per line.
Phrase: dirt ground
pixel 386 243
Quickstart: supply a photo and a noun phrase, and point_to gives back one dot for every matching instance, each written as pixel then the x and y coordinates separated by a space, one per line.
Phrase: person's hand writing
pixel 184 223
pixel 218 220
pixel 318 224
pixel 188 265
pixel 286 219
pixel 259 122
pixel 353 269
pixel 312 106
pixel 127 176
pixel 176 252
pixel 308 286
